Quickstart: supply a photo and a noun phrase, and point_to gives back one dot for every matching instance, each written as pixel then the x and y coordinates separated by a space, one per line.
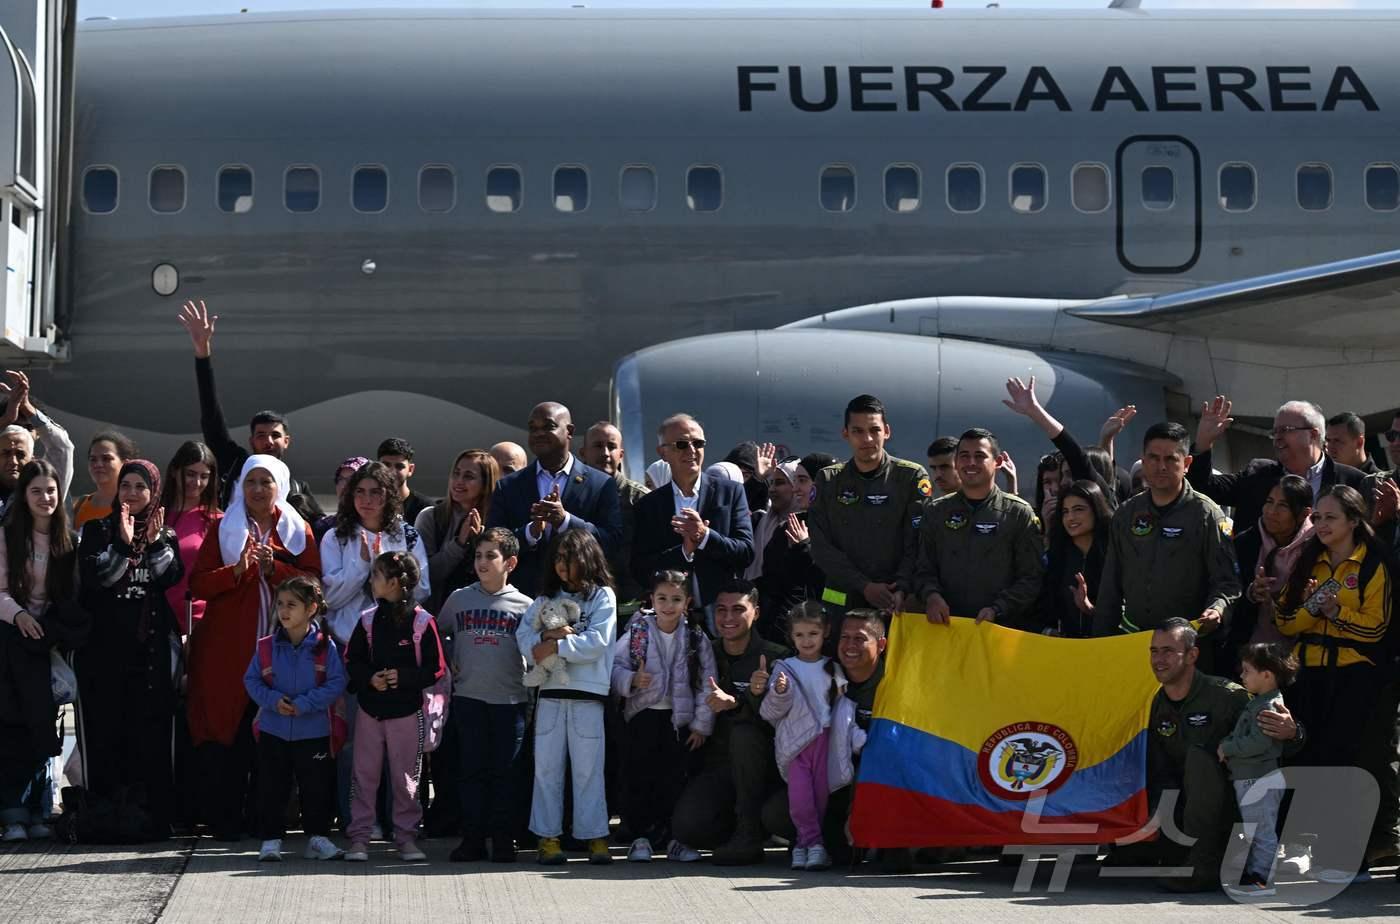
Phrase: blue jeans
pixel 23 791
pixel 569 731
pixel 488 736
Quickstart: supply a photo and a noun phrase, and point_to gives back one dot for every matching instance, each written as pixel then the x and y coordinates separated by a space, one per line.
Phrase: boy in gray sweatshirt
pixel 488 697
pixel 1251 756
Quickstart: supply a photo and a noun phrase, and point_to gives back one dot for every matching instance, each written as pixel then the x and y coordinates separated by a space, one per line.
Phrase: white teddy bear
pixel 553 614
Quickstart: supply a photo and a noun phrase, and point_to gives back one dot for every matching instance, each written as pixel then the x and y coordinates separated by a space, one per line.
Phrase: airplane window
pixel 503 189
pixel 1158 188
pixel 704 189
pixel 167 192
pixel 100 190
pixel 1383 187
pixel 1089 187
pixel 902 187
pixel 1314 187
pixel 965 187
pixel 302 189
pixel 369 189
pixel 838 189
pixel 236 189
pixel 437 189
pixel 570 189
pixel 637 189
pixel 1237 187
pixel 1027 188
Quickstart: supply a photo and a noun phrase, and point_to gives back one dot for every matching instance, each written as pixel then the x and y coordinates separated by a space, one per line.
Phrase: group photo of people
pixel 544 659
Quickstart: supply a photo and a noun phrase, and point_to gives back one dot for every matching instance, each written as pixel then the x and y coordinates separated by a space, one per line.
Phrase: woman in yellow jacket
pixel 1336 608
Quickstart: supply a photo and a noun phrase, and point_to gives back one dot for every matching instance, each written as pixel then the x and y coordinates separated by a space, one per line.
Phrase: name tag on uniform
pixel 1171 532
pixel 876 500
pixel 1198 719
pixel 917 520
pixel 956 520
pixel 847 497
pixel 986 529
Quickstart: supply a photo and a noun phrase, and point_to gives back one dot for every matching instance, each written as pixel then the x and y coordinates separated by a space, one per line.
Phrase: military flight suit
pixel 1181 741
pixel 981 555
pixel 1162 563
pixel 863 528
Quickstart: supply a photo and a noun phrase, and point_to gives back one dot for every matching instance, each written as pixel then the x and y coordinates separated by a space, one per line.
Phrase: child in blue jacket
pixel 296 677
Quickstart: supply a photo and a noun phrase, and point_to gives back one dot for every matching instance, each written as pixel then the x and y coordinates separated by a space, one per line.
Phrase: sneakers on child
pixel 1251 887
pixel 270 851
pixel 39 831
pixel 376 833
pixel 14 832
pixel 799 858
pixel 598 853
pixel 640 852
pixel 410 852
pixel 550 853
pixel 817 857
pixel 321 847
pixel 680 853
pixel 358 853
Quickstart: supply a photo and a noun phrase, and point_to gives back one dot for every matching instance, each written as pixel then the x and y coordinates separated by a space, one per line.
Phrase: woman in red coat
pixel 260 542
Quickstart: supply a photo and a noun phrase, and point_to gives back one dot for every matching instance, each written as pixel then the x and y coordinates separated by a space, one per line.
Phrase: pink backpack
pixel 435 697
pixel 340 727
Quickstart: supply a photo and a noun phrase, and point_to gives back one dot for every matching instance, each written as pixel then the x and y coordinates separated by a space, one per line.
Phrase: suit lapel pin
pixel 578 479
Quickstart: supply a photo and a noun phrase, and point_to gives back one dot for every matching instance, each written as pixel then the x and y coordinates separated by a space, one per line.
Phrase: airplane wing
pixel 1349 303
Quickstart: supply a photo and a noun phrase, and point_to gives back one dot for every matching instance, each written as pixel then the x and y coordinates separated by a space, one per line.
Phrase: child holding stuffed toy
pixel 394 656
pixel 659 669
pixel 816 731
pixel 569 717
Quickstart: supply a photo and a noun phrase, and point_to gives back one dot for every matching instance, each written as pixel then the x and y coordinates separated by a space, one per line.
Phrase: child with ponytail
pixel 816 731
pixel 659 668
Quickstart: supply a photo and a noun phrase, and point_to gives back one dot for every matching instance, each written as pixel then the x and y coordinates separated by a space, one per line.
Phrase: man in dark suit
pixel 1298 435
pixel 557 493
pixel 697 523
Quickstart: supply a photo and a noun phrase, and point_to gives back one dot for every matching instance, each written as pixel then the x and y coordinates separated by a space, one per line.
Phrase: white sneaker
pixel 640 852
pixel 40 831
pixel 14 832
pixel 410 852
pixel 680 853
pixel 358 853
pixel 376 833
pixel 1297 862
pixel 321 847
pixel 799 858
pixel 817 857
pixel 270 851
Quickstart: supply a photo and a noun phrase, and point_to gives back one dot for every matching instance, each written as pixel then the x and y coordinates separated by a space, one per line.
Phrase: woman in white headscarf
pixel 260 542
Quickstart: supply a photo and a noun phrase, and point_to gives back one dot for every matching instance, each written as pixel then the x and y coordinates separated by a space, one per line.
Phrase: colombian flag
pixel 986 735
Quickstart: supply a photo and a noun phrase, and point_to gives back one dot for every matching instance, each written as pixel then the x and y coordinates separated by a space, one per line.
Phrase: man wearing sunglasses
pixel 1298 432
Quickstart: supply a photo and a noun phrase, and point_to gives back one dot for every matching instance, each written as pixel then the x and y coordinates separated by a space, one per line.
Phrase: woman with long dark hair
pixel 450 527
pixel 1336 606
pixel 190 500
pixel 38 583
pixel 1078 534
pixel 127 560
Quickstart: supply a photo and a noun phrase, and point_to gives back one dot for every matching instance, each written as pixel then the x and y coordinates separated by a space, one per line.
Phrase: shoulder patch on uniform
pixel 956 520
pixel 847 496
pixel 925 486
pixel 1142 525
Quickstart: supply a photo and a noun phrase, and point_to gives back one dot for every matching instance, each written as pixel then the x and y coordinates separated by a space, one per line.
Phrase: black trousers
pixel 1380 754
pixel 230 778
pixel 657 766
pixel 127 726
pixel 726 798
pixel 488 737
pixel 311 765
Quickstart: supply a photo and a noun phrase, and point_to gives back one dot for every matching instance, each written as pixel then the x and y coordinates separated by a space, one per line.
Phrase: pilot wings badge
pixel 1026 759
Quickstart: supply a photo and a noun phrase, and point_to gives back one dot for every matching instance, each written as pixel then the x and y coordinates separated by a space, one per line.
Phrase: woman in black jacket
pixel 126 561
pixel 1074 560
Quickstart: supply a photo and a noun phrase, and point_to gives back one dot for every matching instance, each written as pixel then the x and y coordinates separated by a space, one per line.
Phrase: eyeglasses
pixel 685 445
pixel 1279 433
pixel 1392 436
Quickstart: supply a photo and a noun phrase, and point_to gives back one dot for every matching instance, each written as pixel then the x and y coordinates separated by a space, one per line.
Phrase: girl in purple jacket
pixel 659 666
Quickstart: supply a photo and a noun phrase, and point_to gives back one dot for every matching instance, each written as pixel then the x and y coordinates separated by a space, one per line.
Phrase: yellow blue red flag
pixel 986 735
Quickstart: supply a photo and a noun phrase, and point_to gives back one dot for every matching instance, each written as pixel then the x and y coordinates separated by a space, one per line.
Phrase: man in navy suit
pixel 556 493
pixel 697 523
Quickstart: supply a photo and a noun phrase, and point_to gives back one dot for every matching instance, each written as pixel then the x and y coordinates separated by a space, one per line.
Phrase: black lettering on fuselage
pixel 1040 85
pixel 860 86
pixel 1163 86
pixel 1117 86
pixel 914 86
pixel 830 92
pixel 973 101
pixel 1346 77
pixel 1242 81
pixel 1278 86
pixel 747 86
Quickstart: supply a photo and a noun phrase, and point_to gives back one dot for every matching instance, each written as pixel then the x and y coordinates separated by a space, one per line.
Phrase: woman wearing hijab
pixel 260 542
pixel 126 561
pixel 658 474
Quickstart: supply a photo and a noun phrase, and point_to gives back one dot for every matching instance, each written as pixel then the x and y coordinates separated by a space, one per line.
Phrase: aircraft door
pixel 1159 204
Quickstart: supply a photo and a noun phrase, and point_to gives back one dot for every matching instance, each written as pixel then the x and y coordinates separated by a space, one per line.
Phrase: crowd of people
pixel 551 643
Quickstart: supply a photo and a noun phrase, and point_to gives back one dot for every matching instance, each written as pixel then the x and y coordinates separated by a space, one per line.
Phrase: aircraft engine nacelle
pixel 790 387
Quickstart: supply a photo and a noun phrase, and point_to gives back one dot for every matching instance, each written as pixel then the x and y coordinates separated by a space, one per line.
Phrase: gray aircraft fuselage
pixel 471 316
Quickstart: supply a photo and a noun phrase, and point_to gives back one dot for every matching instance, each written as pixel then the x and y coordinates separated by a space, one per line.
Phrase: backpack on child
pixel 435 697
pixel 340 727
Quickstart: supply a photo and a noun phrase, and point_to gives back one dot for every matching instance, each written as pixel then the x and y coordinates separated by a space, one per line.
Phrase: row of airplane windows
pixel 965 188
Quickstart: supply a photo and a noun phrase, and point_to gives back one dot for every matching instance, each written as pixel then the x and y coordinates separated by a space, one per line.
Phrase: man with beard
pixel 602 449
